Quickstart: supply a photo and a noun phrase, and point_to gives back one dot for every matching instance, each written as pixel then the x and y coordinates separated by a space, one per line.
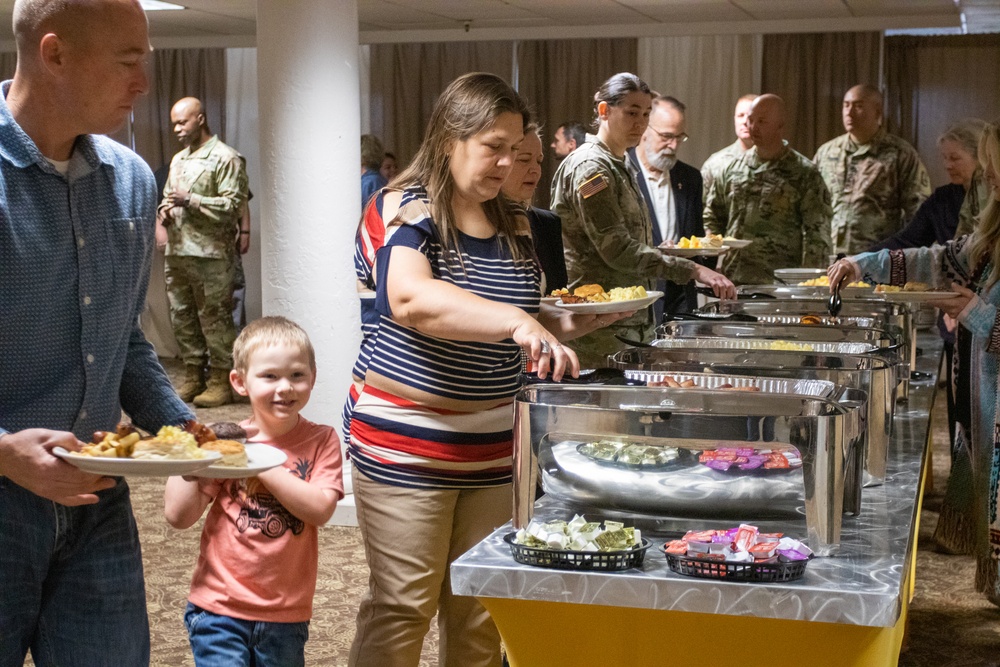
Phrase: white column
pixel 308 89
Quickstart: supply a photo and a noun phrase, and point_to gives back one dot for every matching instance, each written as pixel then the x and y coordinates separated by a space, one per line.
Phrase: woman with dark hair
pixel 969 266
pixel 606 226
pixel 546 228
pixel 451 300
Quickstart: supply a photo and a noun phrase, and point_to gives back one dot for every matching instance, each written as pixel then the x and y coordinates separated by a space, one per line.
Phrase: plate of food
pixel 913 292
pixel 694 252
pixel 614 305
pixel 239 460
pixel 172 452
pixel 711 245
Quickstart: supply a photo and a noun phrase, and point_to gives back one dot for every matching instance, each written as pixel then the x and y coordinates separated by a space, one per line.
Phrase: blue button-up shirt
pixel 75 255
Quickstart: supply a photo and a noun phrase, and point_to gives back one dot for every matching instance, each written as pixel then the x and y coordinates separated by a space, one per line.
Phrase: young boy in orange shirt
pixel 252 590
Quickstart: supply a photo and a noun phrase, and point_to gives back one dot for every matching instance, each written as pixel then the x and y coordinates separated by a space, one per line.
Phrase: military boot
pixel 194 383
pixel 218 392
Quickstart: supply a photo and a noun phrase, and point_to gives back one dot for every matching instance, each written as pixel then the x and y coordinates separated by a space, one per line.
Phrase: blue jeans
pixel 222 641
pixel 71 584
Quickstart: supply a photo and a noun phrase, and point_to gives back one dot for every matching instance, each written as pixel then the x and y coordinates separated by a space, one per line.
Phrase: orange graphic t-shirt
pixel 258 562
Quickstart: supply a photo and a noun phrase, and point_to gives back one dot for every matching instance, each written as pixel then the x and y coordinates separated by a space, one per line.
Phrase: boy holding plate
pixel 247 606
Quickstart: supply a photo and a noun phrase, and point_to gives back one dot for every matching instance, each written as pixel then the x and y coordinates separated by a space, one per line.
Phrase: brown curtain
pixel 173 74
pixel 406 80
pixel 933 82
pixel 558 78
pixel 811 72
pixel 8 63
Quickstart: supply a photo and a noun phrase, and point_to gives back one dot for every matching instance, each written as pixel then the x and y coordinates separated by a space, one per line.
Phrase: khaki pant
pixel 411 536
pixel 200 292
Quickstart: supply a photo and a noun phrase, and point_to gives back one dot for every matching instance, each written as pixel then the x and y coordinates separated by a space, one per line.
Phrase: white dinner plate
pixel 915 297
pixel 606 307
pixel 736 244
pixel 551 300
pixel 796 276
pixel 100 465
pixel 260 457
pixel 694 252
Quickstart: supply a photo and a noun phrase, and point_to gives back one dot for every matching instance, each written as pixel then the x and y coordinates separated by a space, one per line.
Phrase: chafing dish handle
pixel 728 317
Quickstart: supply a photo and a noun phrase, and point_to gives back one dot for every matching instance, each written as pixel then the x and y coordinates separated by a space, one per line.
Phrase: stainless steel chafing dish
pixel 875 376
pixel 809 292
pixel 889 345
pixel 886 315
pixel 554 425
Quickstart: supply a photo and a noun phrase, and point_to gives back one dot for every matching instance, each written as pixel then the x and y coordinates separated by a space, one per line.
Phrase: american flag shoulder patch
pixel 592 186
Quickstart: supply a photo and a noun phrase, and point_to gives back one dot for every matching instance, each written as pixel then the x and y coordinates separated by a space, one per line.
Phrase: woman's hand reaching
pixel 544 349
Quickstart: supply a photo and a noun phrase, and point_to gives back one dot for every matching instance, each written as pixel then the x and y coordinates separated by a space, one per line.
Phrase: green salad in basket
pixel 578 535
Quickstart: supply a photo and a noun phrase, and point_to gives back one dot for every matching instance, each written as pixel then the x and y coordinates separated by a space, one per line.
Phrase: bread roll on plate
pixel 234 454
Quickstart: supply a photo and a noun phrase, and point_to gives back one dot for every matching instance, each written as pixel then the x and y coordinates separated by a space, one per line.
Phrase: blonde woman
pixel 969 266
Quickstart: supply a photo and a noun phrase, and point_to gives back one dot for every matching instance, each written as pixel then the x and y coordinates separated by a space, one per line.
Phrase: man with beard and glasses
pixel 774 196
pixel 672 192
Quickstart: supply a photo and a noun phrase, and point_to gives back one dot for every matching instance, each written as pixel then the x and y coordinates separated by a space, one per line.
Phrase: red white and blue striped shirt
pixel 425 411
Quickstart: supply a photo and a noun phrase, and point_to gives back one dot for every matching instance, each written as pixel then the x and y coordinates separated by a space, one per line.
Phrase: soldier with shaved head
pixel 76 238
pixel 876 179
pixel 773 196
pixel 200 214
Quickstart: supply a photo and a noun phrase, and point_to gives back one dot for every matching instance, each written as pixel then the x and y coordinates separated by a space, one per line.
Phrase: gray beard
pixel 662 161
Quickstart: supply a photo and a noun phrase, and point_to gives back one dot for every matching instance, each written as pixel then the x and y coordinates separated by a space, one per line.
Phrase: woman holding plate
pixel 450 302
pixel 970 268
pixel 606 226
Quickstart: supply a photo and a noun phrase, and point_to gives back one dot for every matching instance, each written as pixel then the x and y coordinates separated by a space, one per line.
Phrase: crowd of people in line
pixel 451 261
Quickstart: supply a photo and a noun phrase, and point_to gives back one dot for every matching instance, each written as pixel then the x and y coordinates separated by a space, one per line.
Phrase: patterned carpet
pixel 950 625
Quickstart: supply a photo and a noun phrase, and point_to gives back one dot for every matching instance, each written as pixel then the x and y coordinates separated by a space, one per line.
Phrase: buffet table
pixel 847 610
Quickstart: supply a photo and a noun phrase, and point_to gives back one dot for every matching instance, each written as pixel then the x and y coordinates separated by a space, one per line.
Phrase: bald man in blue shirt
pixel 76 234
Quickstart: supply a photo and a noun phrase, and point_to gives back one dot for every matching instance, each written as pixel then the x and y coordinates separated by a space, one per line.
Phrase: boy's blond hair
pixel 268 331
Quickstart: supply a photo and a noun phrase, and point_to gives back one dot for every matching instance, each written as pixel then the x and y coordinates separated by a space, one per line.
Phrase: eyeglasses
pixel 667 137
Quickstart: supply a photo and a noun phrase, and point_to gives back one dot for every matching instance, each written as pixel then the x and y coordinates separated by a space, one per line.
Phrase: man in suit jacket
pixel 671 190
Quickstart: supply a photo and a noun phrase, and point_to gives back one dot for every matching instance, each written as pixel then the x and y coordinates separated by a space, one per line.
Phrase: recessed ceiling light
pixel 157 5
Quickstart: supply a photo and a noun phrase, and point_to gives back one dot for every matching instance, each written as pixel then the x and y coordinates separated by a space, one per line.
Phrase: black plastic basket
pixel 728 571
pixel 605 561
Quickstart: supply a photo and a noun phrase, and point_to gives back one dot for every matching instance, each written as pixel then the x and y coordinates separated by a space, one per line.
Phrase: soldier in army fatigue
pixel 607 232
pixel 203 199
pixel 877 181
pixel 775 197
pixel 719 160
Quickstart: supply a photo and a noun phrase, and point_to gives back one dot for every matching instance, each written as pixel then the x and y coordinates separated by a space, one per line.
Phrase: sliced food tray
pixel 606 561
pixel 729 571
pixel 817 388
pixel 761 344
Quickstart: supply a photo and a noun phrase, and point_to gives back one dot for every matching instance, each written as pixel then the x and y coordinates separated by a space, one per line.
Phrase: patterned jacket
pixel 608 236
pixel 781 205
pixel 717 162
pixel 216 176
pixel 876 188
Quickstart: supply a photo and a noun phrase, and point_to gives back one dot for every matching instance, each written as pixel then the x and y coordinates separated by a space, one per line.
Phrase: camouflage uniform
pixel 608 237
pixel 876 188
pixel 976 199
pixel 781 205
pixel 201 247
pixel 717 163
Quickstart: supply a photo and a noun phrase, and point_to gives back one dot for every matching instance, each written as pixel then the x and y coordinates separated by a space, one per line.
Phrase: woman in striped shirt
pixel 450 299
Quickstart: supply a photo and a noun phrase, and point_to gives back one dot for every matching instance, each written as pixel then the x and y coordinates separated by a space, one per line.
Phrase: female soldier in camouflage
pixel 606 227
